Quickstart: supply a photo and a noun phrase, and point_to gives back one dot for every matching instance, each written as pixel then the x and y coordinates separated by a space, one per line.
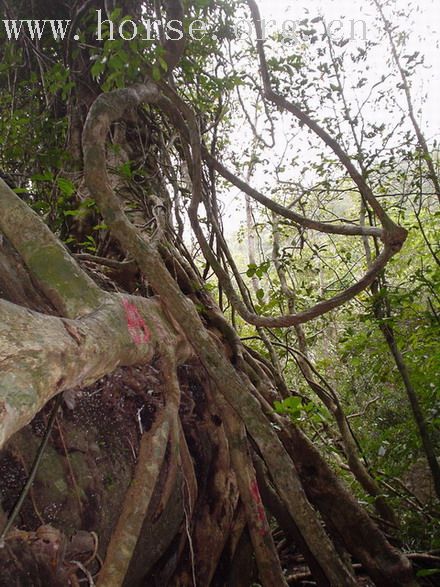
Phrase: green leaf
pixel 427 572
pixel 156 73
pixel 97 68
pixel 163 63
pixel 251 270
pixel 48 176
pixel 66 186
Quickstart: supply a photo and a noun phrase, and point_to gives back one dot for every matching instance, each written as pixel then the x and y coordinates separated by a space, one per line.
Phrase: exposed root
pixel 122 544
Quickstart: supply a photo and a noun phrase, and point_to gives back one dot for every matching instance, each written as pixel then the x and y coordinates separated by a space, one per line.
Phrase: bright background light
pixel 423 29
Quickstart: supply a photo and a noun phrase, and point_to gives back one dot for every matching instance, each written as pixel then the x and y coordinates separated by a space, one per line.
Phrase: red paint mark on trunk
pixel 261 514
pixel 136 324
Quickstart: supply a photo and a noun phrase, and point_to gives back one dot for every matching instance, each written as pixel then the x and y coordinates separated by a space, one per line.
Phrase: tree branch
pixel 66 285
pixel 42 355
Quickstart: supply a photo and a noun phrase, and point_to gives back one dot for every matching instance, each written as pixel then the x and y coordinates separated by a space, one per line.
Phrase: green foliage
pixel 299 410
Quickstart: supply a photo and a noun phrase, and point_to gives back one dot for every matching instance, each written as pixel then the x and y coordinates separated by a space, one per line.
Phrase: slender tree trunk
pixel 413 399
